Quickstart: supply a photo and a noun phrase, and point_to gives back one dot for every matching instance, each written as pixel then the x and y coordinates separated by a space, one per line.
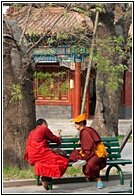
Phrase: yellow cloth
pixel 101 150
pixel 81 153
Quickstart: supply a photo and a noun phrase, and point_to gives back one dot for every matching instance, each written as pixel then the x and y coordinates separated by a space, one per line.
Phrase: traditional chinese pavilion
pixel 68 56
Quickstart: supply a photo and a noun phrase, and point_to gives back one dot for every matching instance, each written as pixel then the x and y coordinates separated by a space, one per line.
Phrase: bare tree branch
pixel 30 6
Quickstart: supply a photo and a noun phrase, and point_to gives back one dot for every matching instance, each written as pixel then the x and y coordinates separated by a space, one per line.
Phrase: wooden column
pixel 77 90
pixel 128 88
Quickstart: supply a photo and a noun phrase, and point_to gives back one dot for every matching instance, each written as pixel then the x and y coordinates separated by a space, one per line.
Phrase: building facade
pixel 64 63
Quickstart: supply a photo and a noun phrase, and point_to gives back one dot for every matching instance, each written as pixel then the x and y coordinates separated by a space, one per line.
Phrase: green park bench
pixel 113 160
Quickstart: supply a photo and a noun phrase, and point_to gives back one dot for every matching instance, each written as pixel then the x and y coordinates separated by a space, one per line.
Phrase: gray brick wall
pixel 53 112
pixel 125 112
pixel 65 112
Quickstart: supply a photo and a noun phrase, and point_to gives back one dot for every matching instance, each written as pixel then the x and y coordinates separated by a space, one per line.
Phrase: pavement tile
pixel 75 188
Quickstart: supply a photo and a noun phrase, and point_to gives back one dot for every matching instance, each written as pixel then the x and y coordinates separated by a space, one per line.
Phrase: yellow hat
pixel 79 118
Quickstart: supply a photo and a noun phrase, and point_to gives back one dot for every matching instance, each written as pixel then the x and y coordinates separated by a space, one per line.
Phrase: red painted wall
pixel 128 88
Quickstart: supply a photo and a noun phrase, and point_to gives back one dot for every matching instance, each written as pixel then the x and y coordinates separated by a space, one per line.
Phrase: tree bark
pixel 18 116
pixel 107 109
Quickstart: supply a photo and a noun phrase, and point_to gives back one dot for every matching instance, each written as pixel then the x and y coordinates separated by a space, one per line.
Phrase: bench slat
pixel 105 139
pixel 113 156
pixel 112 150
pixel 119 161
pixel 63 140
pixel 64 146
pixel 110 144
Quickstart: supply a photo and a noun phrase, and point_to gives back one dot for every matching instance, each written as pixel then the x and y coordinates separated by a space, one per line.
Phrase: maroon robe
pixel 89 140
pixel 46 162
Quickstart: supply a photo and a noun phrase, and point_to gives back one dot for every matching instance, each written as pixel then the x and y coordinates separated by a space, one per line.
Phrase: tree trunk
pixel 107 104
pixel 18 116
pixel 107 109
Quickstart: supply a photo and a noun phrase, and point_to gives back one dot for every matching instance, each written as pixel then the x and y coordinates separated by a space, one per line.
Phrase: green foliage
pixel 129 42
pixel 115 46
pixel 48 76
pixel 64 88
pixel 79 28
pixel 44 87
pixel 17 173
pixel 73 172
pixel 66 14
pixel 100 7
pixel 17 5
pixel 114 39
pixel 44 90
pixel 50 4
pixel 60 36
pixel 78 49
pixel 50 40
pixel 100 24
pixel 113 73
pixel 105 63
pixel 121 137
pixel 82 11
pixel 16 94
pixel 46 83
pixel 14 173
pixel 33 33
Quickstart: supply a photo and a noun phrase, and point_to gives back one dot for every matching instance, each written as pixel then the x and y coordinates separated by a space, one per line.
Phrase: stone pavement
pixel 68 188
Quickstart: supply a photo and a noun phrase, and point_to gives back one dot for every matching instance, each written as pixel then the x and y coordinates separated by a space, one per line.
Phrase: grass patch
pixel 72 172
pixel 14 173
pixel 10 173
pixel 121 137
pixel 112 171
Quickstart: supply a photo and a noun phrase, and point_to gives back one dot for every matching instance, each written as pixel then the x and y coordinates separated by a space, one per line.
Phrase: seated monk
pixel 46 163
pixel 92 156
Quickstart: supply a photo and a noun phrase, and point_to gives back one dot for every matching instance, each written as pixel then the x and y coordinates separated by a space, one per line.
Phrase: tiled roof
pixel 40 20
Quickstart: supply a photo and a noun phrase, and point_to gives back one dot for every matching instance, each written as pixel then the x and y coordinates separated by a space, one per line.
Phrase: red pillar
pixel 77 90
pixel 128 88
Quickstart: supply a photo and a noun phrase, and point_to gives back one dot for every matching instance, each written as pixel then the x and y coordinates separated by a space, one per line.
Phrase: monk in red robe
pixel 46 163
pixel 92 156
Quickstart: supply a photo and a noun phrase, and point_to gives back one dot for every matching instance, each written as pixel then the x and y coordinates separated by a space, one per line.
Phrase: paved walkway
pixel 79 188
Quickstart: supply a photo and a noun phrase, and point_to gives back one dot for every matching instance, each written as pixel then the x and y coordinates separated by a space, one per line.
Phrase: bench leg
pixel 50 184
pixel 119 170
pixel 37 180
